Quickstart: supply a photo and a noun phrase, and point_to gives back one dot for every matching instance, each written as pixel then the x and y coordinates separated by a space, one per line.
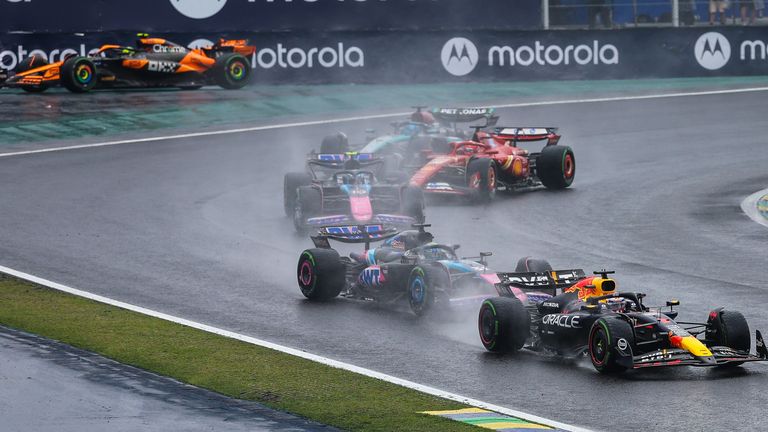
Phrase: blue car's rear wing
pixel 353 234
pixel 465 115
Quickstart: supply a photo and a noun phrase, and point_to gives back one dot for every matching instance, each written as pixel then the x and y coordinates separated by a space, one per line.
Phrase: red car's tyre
pixel 32 62
pixel 556 167
pixel 610 345
pixel 481 178
pixel 78 75
pixel 504 324
pixel 320 274
pixel 232 71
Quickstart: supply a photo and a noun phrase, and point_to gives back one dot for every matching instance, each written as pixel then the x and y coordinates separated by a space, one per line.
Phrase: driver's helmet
pixel 345 179
pixel 411 129
pixel 619 304
pixel 408 240
pixel 423 117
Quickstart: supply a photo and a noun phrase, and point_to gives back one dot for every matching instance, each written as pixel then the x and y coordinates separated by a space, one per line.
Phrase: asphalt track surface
pixel 195 228
pixel 48 386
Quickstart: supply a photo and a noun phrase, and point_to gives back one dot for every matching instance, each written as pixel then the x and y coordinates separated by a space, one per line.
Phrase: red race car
pixel 493 160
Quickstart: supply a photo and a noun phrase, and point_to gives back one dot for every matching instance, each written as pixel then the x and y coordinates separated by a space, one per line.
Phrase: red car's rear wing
pixel 525 134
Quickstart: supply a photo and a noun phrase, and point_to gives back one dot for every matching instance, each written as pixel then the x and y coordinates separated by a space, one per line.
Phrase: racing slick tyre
pixel 232 71
pixel 504 324
pixel 530 264
pixel 78 75
pixel 337 143
pixel 423 286
pixel 610 345
pixel 309 202
pixel 730 329
pixel 291 182
pixel 320 274
pixel 481 177
pixel 556 167
pixel 32 62
pixel 412 200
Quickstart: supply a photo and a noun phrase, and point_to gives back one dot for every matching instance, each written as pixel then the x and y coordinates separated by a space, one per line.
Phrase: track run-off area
pixel 192 225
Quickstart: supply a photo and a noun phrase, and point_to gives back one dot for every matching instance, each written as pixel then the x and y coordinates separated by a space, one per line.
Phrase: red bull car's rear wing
pixel 552 282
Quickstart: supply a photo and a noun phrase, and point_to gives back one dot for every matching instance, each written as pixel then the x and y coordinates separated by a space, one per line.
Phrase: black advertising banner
pixel 51 16
pixel 457 56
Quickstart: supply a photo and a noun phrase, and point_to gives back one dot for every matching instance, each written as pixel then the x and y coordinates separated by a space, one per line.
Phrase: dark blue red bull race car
pixel 571 314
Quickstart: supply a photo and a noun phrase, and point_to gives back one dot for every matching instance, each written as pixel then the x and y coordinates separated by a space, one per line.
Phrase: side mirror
pixel 455 246
pixel 485 254
pixel 671 303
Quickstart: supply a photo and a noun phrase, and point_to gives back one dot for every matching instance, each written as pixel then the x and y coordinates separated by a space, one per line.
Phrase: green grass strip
pixel 227 366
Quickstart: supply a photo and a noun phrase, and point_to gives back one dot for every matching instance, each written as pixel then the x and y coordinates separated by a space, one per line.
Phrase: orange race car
pixel 154 62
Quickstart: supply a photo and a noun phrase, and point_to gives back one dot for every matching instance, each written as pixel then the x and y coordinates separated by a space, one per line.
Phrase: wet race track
pixel 195 228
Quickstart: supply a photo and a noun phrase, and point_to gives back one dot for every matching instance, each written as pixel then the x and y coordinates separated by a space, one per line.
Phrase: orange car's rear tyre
pixel 232 71
pixel 78 75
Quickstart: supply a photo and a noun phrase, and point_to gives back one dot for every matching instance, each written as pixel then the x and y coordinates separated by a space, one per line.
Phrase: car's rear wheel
pixel 291 182
pixel 424 283
pixel 482 177
pixel 556 167
pixel 78 75
pixel 232 71
pixel 320 274
pixel 729 329
pixel 309 202
pixel 530 264
pixel 610 341
pixel 504 324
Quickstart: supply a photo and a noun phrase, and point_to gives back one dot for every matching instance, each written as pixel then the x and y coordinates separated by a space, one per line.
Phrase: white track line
pixel 293 351
pixel 377 116
pixel 749 206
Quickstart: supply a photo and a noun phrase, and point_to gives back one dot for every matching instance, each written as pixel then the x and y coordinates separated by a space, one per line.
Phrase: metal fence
pixel 570 14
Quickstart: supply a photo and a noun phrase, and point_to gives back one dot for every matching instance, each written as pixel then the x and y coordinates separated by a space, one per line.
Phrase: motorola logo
pixel 198 9
pixel 459 56
pixel 712 50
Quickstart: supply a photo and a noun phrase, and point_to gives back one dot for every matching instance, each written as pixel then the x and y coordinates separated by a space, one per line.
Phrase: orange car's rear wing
pixel 239 46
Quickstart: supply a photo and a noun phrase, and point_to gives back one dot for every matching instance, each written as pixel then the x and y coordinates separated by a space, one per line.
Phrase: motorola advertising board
pixel 455 56
pixel 51 16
